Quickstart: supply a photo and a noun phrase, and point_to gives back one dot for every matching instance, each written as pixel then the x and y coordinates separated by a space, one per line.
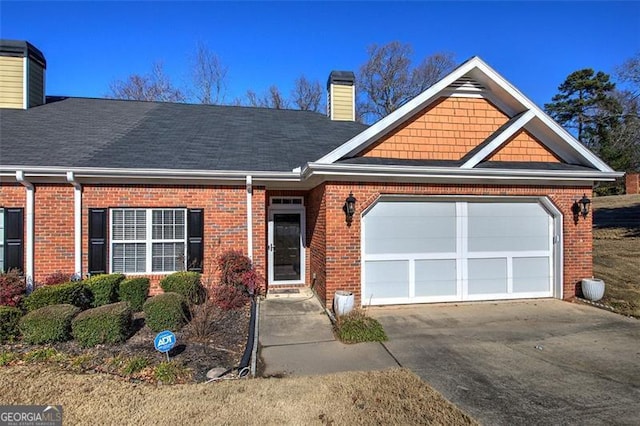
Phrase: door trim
pixel 286 209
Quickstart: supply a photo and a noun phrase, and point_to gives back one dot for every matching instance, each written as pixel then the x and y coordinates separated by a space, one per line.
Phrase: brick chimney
pixel 341 96
pixel 22 75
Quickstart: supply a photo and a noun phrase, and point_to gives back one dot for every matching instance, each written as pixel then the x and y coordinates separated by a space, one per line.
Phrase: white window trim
pixel 149 241
pixel 2 231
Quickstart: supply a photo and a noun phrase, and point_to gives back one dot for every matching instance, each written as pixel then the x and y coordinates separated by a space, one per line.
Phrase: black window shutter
pixel 13 239
pixel 97 241
pixel 195 241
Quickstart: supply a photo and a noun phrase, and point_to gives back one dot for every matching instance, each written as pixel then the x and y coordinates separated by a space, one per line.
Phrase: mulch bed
pixel 223 347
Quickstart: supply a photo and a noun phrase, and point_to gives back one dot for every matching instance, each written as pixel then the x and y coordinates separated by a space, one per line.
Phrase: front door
pixel 286 253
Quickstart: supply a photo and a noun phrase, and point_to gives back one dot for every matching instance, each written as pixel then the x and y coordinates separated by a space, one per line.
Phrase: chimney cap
pixel 343 78
pixel 21 49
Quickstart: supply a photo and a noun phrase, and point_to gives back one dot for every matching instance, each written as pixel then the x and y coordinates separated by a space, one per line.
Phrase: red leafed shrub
pixel 56 278
pixel 12 288
pixel 252 282
pixel 228 297
pixel 232 265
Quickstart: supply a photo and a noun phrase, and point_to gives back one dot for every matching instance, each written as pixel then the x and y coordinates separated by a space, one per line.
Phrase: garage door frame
pixel 556 249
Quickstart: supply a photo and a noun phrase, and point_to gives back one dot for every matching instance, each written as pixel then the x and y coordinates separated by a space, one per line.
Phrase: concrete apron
pixel 296 338
pixel 530 362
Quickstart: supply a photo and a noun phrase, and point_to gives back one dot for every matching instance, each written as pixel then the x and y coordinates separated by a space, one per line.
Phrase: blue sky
pixel 535 45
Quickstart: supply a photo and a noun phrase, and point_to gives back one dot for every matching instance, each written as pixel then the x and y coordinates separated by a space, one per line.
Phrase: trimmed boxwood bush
pixel 73 293
pixel 9 318
pixel 185 283
pixel 48 324
pixel 104 288
pixel 166 311
pixel 135 291
pixel 105 324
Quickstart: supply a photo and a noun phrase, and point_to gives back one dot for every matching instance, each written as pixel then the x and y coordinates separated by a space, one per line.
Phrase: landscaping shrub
pixel 356 327
pixel 104 288
pixel 185 283
pixel 232 264
pixel 228 297
pixel 12 288
pixel 72 293
pixel 48 324
pixel 56 278
pixel 166 311
pixel 105 324
pixel 135 291
pixel 9 318
pixel 237 270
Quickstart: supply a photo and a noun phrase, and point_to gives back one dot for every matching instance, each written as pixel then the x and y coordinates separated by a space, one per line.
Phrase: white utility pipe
pixel 77 222
pixel 29 220
pixel 249 183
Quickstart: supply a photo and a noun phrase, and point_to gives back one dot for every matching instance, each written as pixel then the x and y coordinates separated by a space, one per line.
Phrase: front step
pixel 289 292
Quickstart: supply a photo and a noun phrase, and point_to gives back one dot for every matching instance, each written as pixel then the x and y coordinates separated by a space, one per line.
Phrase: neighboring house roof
pixel 105 133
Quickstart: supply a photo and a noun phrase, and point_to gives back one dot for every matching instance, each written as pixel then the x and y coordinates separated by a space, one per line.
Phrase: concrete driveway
pixel 532 362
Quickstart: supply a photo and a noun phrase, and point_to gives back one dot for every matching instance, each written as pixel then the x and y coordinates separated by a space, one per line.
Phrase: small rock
pixel 214 373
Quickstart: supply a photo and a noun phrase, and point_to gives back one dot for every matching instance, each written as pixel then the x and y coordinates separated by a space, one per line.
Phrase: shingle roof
pixel 81 132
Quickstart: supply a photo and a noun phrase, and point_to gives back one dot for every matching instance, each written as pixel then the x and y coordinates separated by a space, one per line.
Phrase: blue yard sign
pixel 164 341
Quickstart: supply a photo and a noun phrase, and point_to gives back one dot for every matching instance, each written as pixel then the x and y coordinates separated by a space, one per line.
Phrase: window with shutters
pixel 148 240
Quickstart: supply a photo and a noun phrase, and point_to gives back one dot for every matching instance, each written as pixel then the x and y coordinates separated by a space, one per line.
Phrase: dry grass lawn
pixel 384 397
pixel 616 250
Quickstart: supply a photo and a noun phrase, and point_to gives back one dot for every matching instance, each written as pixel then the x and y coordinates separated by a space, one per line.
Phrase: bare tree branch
pixel 307 95
pixel 155 86
pixel 387 81
pixel 209 76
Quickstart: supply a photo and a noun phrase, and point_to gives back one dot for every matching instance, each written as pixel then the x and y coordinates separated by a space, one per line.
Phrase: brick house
pixel 467 192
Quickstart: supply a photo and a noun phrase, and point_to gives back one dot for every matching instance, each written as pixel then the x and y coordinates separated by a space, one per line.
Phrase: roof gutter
pixel 77 221
pixel 30 195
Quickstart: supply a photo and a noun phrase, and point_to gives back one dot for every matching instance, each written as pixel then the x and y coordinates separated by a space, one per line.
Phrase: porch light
pixel 581 206
pixel 349 206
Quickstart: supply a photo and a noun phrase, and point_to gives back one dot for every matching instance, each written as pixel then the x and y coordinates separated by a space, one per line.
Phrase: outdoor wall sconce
pixel 349 207
pixel 581 207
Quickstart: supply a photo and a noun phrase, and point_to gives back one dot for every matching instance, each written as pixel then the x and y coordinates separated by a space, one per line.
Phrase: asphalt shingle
pixel 81 132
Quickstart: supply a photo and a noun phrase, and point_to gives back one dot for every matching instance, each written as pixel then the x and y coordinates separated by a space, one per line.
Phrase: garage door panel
pixel 436 278
pixel 387 279
pixel 401 227
pixel 531 274
pixel 487 276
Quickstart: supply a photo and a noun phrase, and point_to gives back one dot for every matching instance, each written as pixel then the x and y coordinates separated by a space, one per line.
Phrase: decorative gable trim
pixel 498 138
pixel 472 78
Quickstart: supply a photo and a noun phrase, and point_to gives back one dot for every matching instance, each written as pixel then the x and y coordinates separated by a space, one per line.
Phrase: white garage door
pixel 433 251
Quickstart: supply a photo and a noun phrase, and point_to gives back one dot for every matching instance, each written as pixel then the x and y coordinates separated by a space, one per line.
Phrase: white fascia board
pixel 419 172
pixel 400 115
pixel 499 140
pixel 589 156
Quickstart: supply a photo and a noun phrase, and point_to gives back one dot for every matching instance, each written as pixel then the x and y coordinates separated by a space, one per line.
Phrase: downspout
pixel 29 219
pixel 249 183
pixel 77 223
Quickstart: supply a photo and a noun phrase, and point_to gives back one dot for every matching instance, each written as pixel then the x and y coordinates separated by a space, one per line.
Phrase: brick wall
pixel 632 183
pixel 343 242
pixel 316 237
pixel 445 130
pixel 53 230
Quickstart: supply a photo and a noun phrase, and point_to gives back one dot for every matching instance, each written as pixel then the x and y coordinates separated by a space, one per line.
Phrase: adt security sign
pixel 164 341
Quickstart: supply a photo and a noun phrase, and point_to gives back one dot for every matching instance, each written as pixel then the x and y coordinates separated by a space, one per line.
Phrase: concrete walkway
pixel 296 338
